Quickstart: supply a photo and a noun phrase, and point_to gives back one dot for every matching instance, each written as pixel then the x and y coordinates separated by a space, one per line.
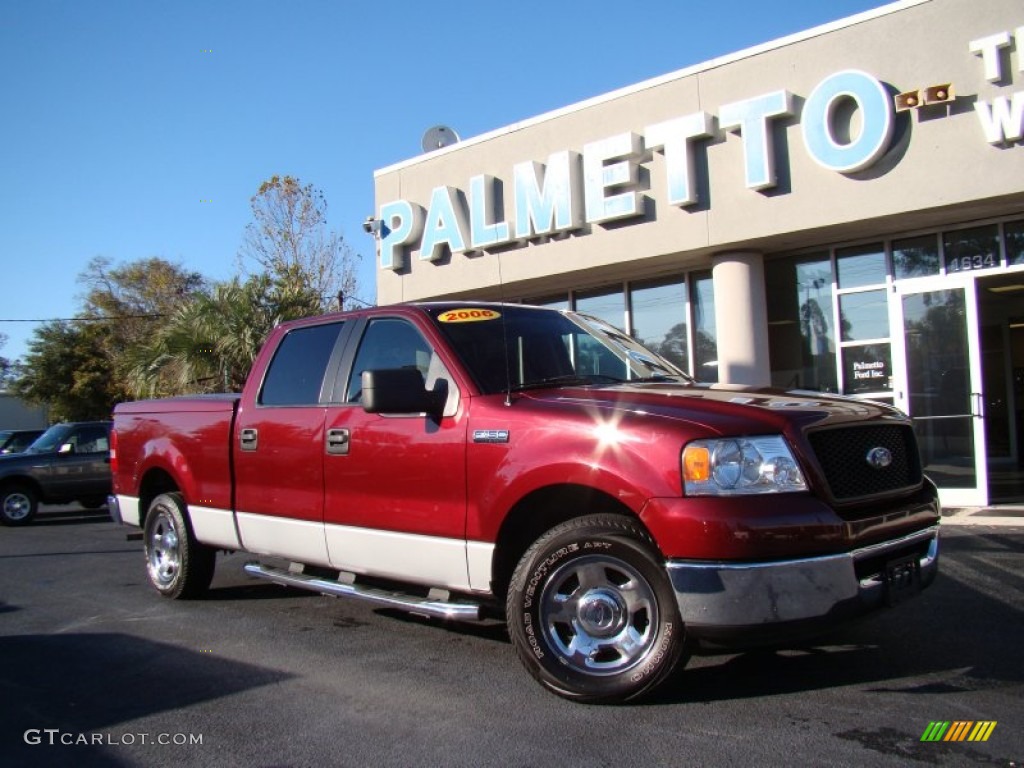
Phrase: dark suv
pixel 17 440
pixel 68 462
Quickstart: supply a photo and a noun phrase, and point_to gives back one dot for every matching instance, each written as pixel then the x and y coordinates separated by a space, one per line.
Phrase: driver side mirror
pixel 402 391
pixel 66 449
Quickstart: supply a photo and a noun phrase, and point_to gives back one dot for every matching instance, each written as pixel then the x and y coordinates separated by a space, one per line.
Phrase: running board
pixel 424 606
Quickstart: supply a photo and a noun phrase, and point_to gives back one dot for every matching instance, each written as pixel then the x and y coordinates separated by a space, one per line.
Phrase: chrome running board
pixel 423 606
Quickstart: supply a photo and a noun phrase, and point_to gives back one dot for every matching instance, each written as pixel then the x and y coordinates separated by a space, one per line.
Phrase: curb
pixel 1001 516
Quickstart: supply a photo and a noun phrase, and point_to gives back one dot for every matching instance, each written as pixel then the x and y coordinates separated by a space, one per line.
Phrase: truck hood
pixel 723 408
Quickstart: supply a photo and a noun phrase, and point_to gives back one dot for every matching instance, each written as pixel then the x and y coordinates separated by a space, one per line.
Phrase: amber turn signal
pixel 696 464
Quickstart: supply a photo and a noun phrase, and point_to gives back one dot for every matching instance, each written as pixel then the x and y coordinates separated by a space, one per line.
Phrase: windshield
pixel 545 347
pixel 50 440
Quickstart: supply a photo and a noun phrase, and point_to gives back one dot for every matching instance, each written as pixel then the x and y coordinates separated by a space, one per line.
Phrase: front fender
pixel 624 465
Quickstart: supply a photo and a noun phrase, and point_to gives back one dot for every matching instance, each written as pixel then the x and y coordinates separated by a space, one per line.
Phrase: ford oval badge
pixel 879 457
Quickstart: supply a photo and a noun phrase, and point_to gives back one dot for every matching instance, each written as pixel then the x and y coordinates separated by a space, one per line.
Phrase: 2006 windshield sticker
pixel 467 315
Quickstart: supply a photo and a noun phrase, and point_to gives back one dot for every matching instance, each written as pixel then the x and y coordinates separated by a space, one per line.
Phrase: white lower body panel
pixel 299 540
pixel 215 527
pixel 429 560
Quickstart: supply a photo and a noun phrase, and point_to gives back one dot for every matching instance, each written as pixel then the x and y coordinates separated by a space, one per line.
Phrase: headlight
pixel 742 465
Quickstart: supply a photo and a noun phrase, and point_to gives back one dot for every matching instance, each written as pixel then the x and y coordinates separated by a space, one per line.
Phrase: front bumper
pixel 728 600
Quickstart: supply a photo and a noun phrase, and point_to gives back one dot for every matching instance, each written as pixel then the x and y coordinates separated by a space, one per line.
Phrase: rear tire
pixel 178 565
pixel 591 612
pixel 18 505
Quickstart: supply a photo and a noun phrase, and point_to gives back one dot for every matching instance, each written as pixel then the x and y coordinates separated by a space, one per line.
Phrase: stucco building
pixel 841 210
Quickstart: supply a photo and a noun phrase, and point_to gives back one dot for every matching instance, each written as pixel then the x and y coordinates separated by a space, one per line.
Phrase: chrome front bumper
pixel 722 599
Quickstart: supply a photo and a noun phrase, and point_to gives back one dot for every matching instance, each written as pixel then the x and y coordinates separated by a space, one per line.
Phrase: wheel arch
pixel 24 480
pixel 154 482
pixel 540 511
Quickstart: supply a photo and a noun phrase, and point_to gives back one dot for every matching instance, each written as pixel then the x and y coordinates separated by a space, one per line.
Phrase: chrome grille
pixel 842 454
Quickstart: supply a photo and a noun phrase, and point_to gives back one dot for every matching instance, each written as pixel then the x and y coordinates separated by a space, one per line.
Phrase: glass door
pixel 938 382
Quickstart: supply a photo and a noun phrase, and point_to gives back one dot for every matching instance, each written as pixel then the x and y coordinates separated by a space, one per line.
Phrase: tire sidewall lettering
pixel 653 661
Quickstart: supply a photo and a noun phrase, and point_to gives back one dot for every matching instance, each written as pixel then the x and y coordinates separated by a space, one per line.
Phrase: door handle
pixel 337 442
pixel 977 405
pixel 248 439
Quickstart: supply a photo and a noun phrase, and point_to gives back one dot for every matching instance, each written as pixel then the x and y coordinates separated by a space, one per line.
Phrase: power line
pixel 80 319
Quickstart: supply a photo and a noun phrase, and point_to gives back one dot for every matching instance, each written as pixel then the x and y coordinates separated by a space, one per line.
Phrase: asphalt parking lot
pixel 96 669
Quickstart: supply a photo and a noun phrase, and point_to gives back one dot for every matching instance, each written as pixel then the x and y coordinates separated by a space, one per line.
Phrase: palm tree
pixel 211 341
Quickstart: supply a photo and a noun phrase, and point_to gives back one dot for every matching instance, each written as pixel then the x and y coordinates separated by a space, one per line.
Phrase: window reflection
pixel 705 355
pixel 659 319
pixel 1014 242
pixel 970 249
pixel 938 377
pixel 801 336
pixel 560 301
pixel 861 265
pixel 935 327
pixel 864 315
pixel 609 305
pixel 915 256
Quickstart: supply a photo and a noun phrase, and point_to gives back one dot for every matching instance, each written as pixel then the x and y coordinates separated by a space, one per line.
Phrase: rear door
pixel 279 447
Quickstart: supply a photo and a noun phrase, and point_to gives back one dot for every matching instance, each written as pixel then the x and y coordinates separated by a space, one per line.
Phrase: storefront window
pixel 915 257
pixel 1014 242
pixel 801 337
pixel 609 305
pixel 659 319
pixel 861 265
pixel 970 249
pixel 864 315
pixel 705 353
pixel 554 302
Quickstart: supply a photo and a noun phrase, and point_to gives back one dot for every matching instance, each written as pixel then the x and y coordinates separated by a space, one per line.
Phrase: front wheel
pixel 18 504
pixel 177 564
pixel 591 612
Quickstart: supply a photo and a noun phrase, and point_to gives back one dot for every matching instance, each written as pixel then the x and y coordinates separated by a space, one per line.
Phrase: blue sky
pixel 137 129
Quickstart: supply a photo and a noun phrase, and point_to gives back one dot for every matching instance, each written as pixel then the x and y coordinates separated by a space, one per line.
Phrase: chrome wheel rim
pixel 599 615
pixel 164 550
pixel 16 506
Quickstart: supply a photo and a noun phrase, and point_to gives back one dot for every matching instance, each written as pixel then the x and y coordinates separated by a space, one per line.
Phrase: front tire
pixel 591 612
pixel 178 565
pixel 18 505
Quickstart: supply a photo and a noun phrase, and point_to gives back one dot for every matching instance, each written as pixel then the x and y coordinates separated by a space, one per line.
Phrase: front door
pixel 395 486
pixel 938 382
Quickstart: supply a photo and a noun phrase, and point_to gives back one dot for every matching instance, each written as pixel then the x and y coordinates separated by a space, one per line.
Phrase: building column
pixel 741 318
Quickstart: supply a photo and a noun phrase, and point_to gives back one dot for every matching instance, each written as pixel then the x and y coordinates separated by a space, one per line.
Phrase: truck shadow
pixel 960 638
pixel 93 682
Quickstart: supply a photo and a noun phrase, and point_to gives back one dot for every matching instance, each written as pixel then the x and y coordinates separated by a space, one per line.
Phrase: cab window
pixel 389 343
pixel 296 374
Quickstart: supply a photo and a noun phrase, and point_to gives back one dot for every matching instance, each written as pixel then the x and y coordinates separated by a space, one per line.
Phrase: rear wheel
pixel 177 564
pixel 18 504
pixel 591 612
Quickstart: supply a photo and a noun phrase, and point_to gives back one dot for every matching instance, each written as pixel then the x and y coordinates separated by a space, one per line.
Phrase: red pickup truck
pixel 470 461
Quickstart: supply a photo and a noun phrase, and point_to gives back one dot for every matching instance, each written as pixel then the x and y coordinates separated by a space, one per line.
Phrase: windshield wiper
pixel 660 377
pixel 568 380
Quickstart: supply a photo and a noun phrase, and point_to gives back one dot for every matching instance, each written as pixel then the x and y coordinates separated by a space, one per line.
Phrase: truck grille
pixel 843 456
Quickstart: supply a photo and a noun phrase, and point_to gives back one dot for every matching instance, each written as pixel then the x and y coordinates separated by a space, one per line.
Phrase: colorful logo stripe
pixel 959 730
